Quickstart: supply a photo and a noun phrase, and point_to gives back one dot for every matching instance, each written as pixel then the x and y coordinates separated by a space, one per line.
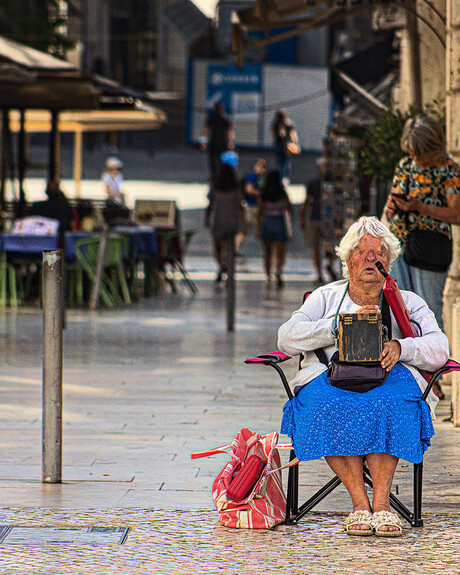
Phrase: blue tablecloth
pixel 143 243
pixel 27 246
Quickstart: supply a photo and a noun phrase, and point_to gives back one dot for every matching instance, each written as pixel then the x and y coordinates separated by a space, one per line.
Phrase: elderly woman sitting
pixel 384 424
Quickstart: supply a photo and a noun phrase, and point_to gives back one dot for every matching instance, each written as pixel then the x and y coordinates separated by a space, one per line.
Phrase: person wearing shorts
pixel 274 208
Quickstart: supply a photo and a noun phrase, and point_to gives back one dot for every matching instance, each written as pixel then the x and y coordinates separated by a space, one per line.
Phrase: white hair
pixel 113 162
pixel 367 225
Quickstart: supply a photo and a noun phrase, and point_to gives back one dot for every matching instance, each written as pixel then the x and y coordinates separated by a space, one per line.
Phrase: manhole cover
pixel 12 535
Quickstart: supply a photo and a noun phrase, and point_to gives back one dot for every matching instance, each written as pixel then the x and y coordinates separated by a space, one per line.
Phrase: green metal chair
pixel 113 288
pixel 75 284
pixel 8 285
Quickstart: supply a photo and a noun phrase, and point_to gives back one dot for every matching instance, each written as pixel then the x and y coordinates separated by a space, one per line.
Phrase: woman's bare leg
pixel 349 469
pixel 382 468
pixel 219 244
pixel 280 248
pixel 239 241
pixel 268 258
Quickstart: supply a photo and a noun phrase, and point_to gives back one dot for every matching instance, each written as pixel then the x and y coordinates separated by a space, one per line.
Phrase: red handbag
pixel 243 482
pixel 264 504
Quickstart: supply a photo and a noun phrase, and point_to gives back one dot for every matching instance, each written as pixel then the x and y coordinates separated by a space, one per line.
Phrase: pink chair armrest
pixel 267 358
pixel 450 365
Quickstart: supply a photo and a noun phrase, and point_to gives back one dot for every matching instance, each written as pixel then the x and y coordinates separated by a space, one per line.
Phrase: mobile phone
pixel 400 196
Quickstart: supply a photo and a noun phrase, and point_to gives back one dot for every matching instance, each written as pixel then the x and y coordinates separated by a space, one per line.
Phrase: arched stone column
pixel 452 289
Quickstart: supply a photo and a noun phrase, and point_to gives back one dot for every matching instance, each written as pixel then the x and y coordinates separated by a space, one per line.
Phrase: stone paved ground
pixel 192 542
pixel 145 386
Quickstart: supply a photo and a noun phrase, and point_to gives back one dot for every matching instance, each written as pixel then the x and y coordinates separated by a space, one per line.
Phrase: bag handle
pixel 209 452
pixel 295 461
pixel 221 449
pixel 225 449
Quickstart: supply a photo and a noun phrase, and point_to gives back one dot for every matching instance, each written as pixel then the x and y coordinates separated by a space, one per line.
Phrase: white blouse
pixel 311 327
pixel 115 184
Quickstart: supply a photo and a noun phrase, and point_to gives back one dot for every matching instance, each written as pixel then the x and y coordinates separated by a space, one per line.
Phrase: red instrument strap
pixel 208 452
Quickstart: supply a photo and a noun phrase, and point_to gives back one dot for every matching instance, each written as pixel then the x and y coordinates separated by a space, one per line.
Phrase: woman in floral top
pixel 430 180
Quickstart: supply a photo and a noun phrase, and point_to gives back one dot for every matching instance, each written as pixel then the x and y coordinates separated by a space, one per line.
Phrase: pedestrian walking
pixel 252 185
pixel 273 224
pixel 224 216
pixel 217 137
pixel 285 142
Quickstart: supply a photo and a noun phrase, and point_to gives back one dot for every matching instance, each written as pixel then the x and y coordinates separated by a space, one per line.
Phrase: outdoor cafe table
pixel 143 244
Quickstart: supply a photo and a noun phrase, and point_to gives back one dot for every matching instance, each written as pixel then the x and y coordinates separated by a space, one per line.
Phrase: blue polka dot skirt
pixel 323 420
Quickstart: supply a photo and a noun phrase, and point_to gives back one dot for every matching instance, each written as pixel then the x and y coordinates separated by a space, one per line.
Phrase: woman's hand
pixel 408 205
pixel 390 354
pixel 390 207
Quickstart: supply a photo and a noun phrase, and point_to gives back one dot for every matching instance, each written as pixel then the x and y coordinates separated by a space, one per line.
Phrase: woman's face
pixel 362 260
pixel 426 161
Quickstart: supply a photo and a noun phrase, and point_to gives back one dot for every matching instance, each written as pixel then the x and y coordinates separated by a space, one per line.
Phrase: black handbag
pixel 354 376
pixel 428 250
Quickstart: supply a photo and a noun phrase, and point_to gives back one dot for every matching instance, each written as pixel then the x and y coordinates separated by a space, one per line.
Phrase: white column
pixel 452 289
pixel 456 354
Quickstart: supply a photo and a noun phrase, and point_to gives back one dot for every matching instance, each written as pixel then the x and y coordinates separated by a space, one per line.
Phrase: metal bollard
pixel 53 315
pixel 231 283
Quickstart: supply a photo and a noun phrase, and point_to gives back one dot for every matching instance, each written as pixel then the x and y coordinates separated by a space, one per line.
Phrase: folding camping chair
pixel 293 512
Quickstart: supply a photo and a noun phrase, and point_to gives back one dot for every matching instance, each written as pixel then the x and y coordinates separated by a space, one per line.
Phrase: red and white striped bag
pixel 265 506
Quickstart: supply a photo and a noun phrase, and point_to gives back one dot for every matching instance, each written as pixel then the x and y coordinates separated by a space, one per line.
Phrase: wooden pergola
pixel 78 122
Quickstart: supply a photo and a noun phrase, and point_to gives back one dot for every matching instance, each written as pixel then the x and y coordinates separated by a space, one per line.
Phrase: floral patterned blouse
pixel 430 186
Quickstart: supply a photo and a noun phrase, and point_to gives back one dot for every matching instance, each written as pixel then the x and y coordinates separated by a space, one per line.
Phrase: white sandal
pixel 388 518
pixel 360 517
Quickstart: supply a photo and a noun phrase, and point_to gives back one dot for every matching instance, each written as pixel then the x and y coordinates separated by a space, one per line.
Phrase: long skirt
pixel 323 420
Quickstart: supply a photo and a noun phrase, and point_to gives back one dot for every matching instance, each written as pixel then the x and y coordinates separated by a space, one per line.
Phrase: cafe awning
pixel 30 78
pixel 41 93
pixel 90 120
pixel 146 118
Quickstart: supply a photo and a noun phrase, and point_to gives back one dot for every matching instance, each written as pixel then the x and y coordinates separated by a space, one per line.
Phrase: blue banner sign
pixel 239 90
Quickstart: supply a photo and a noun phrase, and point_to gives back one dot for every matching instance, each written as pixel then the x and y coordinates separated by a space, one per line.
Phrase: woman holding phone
pixel 423 204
